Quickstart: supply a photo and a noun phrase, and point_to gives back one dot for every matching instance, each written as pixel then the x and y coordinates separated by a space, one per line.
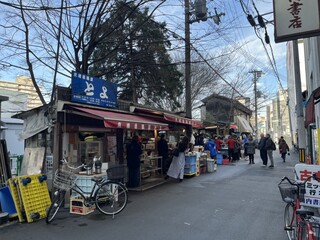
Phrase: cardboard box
pixel 77 206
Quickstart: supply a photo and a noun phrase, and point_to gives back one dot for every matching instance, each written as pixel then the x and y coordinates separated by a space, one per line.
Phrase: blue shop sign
pixel 92 90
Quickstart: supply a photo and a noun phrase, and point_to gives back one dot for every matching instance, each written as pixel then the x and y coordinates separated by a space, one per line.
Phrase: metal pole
pixel 187 65
pixel 256 75
pixel 299 106
pixel 255 103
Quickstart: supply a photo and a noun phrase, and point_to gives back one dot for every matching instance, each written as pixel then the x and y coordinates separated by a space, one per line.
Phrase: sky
pixel 233 33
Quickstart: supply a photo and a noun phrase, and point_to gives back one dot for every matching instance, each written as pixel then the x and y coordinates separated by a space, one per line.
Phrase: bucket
pixel 210 165
pixel 6 201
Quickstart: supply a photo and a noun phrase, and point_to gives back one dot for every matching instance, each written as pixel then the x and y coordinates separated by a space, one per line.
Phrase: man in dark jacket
pixel 263 151
pixel 134 151
pixel 162 147
pixel 270 147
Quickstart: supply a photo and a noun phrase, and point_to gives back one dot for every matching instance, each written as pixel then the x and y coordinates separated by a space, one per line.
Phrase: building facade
pixel 21 96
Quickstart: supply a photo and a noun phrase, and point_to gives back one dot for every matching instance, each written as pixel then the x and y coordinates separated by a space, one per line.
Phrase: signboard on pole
pixel 296 19
pixel 92 90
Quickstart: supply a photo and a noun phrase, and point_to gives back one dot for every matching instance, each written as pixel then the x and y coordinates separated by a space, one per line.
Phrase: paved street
pixel 238 202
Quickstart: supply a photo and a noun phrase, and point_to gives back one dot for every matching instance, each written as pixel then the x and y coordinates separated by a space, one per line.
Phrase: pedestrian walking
pixel 270 146
pixel 251 145
pixel 283 148
pixel 263 152
pixel 176 169
pixel 244 141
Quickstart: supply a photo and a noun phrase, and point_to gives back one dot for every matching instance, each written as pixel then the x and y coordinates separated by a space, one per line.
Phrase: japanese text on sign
pixel 91 90
pixel 312 195
pixel 295 9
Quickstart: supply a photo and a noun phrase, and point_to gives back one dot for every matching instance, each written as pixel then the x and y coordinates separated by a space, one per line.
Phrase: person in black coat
pixel 263 151
pixel 163 151
pixel 134 151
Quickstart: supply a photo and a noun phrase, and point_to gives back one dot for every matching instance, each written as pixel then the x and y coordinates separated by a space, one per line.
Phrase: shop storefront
pixel 82 127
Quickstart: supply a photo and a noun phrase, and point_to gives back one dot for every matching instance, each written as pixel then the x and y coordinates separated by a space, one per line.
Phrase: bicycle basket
pixel 289 193
pixel 116 172
pixel 64 180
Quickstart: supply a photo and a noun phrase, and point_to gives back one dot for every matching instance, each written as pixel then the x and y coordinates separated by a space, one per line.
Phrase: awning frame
pixel 167 116
pixel 113 119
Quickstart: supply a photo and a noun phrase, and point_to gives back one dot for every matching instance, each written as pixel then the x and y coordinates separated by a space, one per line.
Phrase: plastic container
pixel 190 169
pixel 219 159
pixel 6 201
pixel 210 165
pixel 191 159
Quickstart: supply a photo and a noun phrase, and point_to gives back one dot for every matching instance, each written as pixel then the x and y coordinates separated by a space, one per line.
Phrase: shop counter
pixel 151 174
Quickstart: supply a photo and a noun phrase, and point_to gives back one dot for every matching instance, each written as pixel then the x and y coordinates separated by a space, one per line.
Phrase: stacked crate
pixel 190 167
pixel 31 196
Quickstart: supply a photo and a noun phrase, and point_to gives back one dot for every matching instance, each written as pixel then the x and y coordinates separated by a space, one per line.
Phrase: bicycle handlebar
pixel 314 176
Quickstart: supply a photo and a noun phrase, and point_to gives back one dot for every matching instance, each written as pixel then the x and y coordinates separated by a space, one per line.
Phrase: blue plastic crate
pixel 190 169
pixel 191 159
pixel 219 159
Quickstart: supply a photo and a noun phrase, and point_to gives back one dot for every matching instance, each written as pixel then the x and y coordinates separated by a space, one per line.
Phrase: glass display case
pixel 88 150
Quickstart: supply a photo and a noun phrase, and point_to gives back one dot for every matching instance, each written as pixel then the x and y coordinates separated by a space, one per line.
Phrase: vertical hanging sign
pixel 296 19
pixel 92 90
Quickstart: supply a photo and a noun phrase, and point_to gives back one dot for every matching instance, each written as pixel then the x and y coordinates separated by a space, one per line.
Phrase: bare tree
pixel 206 72
pixel 49 41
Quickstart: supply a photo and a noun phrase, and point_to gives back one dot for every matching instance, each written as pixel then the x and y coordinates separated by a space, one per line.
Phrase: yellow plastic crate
pixel 35 196
pixel 14 189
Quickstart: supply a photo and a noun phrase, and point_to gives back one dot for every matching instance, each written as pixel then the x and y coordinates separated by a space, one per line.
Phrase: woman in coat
pixel 250 145
pixel 283 148
pixel 176 169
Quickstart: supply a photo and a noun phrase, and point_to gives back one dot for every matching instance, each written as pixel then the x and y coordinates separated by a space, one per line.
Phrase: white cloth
pixel 192 140
pixel 176 169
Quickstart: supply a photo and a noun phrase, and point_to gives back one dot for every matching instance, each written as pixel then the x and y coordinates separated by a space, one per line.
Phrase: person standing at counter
pixel 162 147
pixel 218 142
pixel 176 169
pixel 134 151
pixel 231 144
pixel 211 146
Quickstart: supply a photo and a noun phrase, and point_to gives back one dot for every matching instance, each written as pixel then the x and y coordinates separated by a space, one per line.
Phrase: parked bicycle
pixel 300 223
pixel 110 196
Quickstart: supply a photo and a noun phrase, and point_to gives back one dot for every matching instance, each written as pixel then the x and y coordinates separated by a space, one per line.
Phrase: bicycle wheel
pixel 111 198
pixel 290 222
pixel 55 205
pixel 303 231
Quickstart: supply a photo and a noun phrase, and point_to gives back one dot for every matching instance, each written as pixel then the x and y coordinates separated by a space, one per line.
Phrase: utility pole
pixel 188 65
pixel 256 75
pixel 299 106
pixel 198 13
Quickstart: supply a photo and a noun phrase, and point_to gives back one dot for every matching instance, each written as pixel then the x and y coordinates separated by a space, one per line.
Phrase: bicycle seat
pixel 97 179
pixel 304 212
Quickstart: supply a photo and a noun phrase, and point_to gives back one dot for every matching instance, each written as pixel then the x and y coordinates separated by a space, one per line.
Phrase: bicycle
pixel 300 224
pixel 110 196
